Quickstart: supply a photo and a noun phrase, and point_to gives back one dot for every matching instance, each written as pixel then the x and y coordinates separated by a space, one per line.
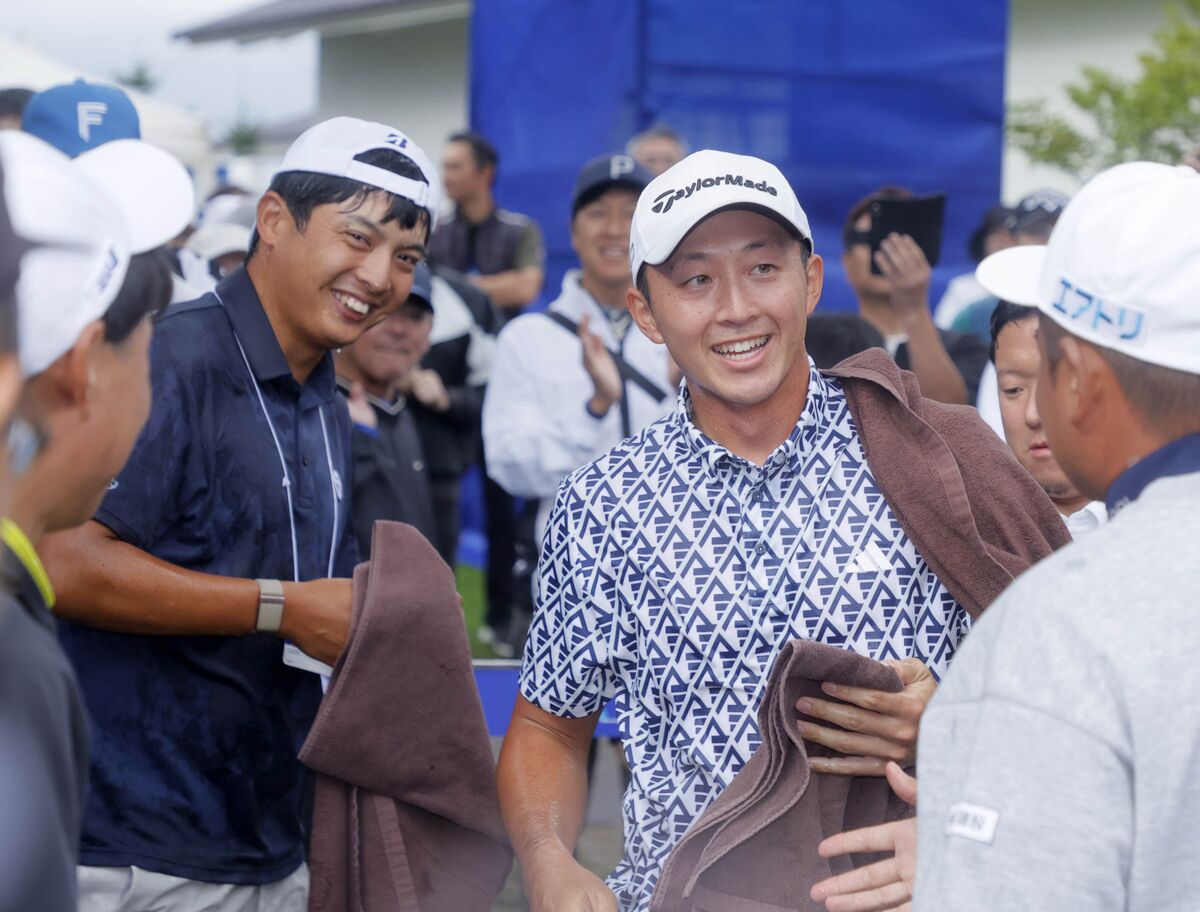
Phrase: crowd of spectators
pixel 686 465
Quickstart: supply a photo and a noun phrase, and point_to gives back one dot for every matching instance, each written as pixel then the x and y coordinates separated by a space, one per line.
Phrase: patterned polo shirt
pixel 672 574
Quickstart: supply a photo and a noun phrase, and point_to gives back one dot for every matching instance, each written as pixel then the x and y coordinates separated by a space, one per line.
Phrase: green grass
pixel 472 586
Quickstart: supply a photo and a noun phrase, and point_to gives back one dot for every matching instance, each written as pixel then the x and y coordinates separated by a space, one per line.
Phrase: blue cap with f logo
pixel 80 116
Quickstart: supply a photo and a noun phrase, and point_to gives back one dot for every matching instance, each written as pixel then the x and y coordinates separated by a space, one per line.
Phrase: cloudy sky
pixel 264 82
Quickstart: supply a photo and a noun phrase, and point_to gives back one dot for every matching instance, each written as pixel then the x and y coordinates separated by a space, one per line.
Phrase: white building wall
pixel 413 78
pixel 1050 41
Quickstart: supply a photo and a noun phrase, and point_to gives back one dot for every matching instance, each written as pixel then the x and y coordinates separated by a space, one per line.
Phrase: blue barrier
pixel 497 683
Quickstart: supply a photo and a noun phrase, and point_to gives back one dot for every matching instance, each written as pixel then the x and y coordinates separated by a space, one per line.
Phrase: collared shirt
pixel 1087 518
pixel 673 572
pixel 194 771
pixel 1179 457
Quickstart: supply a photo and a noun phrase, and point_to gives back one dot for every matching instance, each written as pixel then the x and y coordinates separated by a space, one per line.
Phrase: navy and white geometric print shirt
pixel 672 574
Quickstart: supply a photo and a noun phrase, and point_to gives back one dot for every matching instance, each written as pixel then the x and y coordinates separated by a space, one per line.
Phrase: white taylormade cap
pixel 704 182
pixel 333 146
pixel 92 214
pixel 1122 267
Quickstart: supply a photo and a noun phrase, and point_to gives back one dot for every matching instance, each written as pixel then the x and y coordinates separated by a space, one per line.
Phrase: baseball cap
pixel 1121 267
pixel 422 286
pixel 703 183
pixel 606 171
pixel 215 239
pixel 80 116
pixel 91 214
pixel 1038 211
pixel 12 248
pixel 333 146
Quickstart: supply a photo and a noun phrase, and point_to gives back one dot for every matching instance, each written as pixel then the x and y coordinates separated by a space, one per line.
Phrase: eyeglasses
pixel 854 237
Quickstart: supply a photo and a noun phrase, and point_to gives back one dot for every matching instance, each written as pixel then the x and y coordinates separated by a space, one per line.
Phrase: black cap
pixel 422 286
pixel 606 171
pixel 1038 211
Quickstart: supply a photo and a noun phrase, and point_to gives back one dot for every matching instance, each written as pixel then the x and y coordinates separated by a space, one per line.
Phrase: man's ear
pixel 69 379
pixel 1081 378
pixel 643 315
pixel 272 218
pixel 816 281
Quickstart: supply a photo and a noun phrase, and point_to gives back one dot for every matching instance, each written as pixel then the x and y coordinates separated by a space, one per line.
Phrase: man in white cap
pixel 87 291
pixel 766 508
pixel 228 533
pixel 1056 770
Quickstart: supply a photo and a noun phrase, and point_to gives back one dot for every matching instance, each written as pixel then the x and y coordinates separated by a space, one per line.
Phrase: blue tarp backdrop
pixel 843 95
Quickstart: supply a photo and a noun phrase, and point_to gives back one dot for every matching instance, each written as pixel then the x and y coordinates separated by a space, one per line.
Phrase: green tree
pixel 243 138
pixel 138 77
pixel 1153 117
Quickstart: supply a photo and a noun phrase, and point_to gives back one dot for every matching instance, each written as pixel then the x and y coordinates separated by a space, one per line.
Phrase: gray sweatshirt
pixel 1059 763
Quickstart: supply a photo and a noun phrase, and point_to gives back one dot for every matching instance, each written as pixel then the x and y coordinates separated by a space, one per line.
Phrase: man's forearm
pixel 511 290
pixel 104 582
pixel 929 360
pixel 542 780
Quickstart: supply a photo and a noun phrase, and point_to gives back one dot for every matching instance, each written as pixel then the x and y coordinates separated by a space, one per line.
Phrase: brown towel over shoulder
pixel 406 817
pixel 755 848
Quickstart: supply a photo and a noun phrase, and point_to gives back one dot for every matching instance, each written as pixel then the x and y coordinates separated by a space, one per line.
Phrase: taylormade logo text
pixel 665 200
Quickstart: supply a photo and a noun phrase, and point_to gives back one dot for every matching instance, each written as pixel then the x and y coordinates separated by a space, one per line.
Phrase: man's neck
pixel 302 356
pixel 349 371
pixel 878 311
pixel 752 432
pixel 476 209
pixel 607 294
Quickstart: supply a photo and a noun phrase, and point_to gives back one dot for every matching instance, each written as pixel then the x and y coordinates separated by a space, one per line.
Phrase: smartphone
pixel 920 217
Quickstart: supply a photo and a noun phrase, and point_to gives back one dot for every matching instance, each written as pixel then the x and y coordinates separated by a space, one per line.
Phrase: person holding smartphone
pixel 896 302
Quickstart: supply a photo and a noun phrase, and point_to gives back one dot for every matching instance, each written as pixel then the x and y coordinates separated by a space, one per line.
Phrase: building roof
pixel 283 17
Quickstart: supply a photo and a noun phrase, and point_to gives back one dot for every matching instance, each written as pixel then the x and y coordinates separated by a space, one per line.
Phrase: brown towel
pixel 755 848
pixel 975 515
pixel 406 817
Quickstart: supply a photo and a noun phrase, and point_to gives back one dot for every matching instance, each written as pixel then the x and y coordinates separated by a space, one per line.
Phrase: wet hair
pixel 832 338
pixel 482 151
pixel 13 102
pixel 146 292
pixel 1006 312
pixel 303 191
pixel 859 209
pixel 1166 401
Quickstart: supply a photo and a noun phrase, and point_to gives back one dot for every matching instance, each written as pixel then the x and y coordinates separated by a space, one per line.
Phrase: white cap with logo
pixel 333 147
pixel 1122 266
pixel 703 183
pixel 86 217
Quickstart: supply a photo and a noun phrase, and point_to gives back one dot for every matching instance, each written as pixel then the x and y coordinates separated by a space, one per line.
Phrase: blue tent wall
pixel 843 95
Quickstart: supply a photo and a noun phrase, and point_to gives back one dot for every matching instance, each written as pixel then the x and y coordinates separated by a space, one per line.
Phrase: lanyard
pixel 335 478
pixel 1179 457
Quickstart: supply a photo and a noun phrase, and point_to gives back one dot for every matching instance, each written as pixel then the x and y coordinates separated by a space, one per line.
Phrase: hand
pixel 427 388
pixel 884 885
pixel 316 617
pixel 564 885
pixel 361 411
pixel 600 366
pixel 873 726
pixel 903 264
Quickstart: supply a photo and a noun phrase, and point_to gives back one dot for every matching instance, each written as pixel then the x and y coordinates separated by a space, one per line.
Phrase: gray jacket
pixel 1058 763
